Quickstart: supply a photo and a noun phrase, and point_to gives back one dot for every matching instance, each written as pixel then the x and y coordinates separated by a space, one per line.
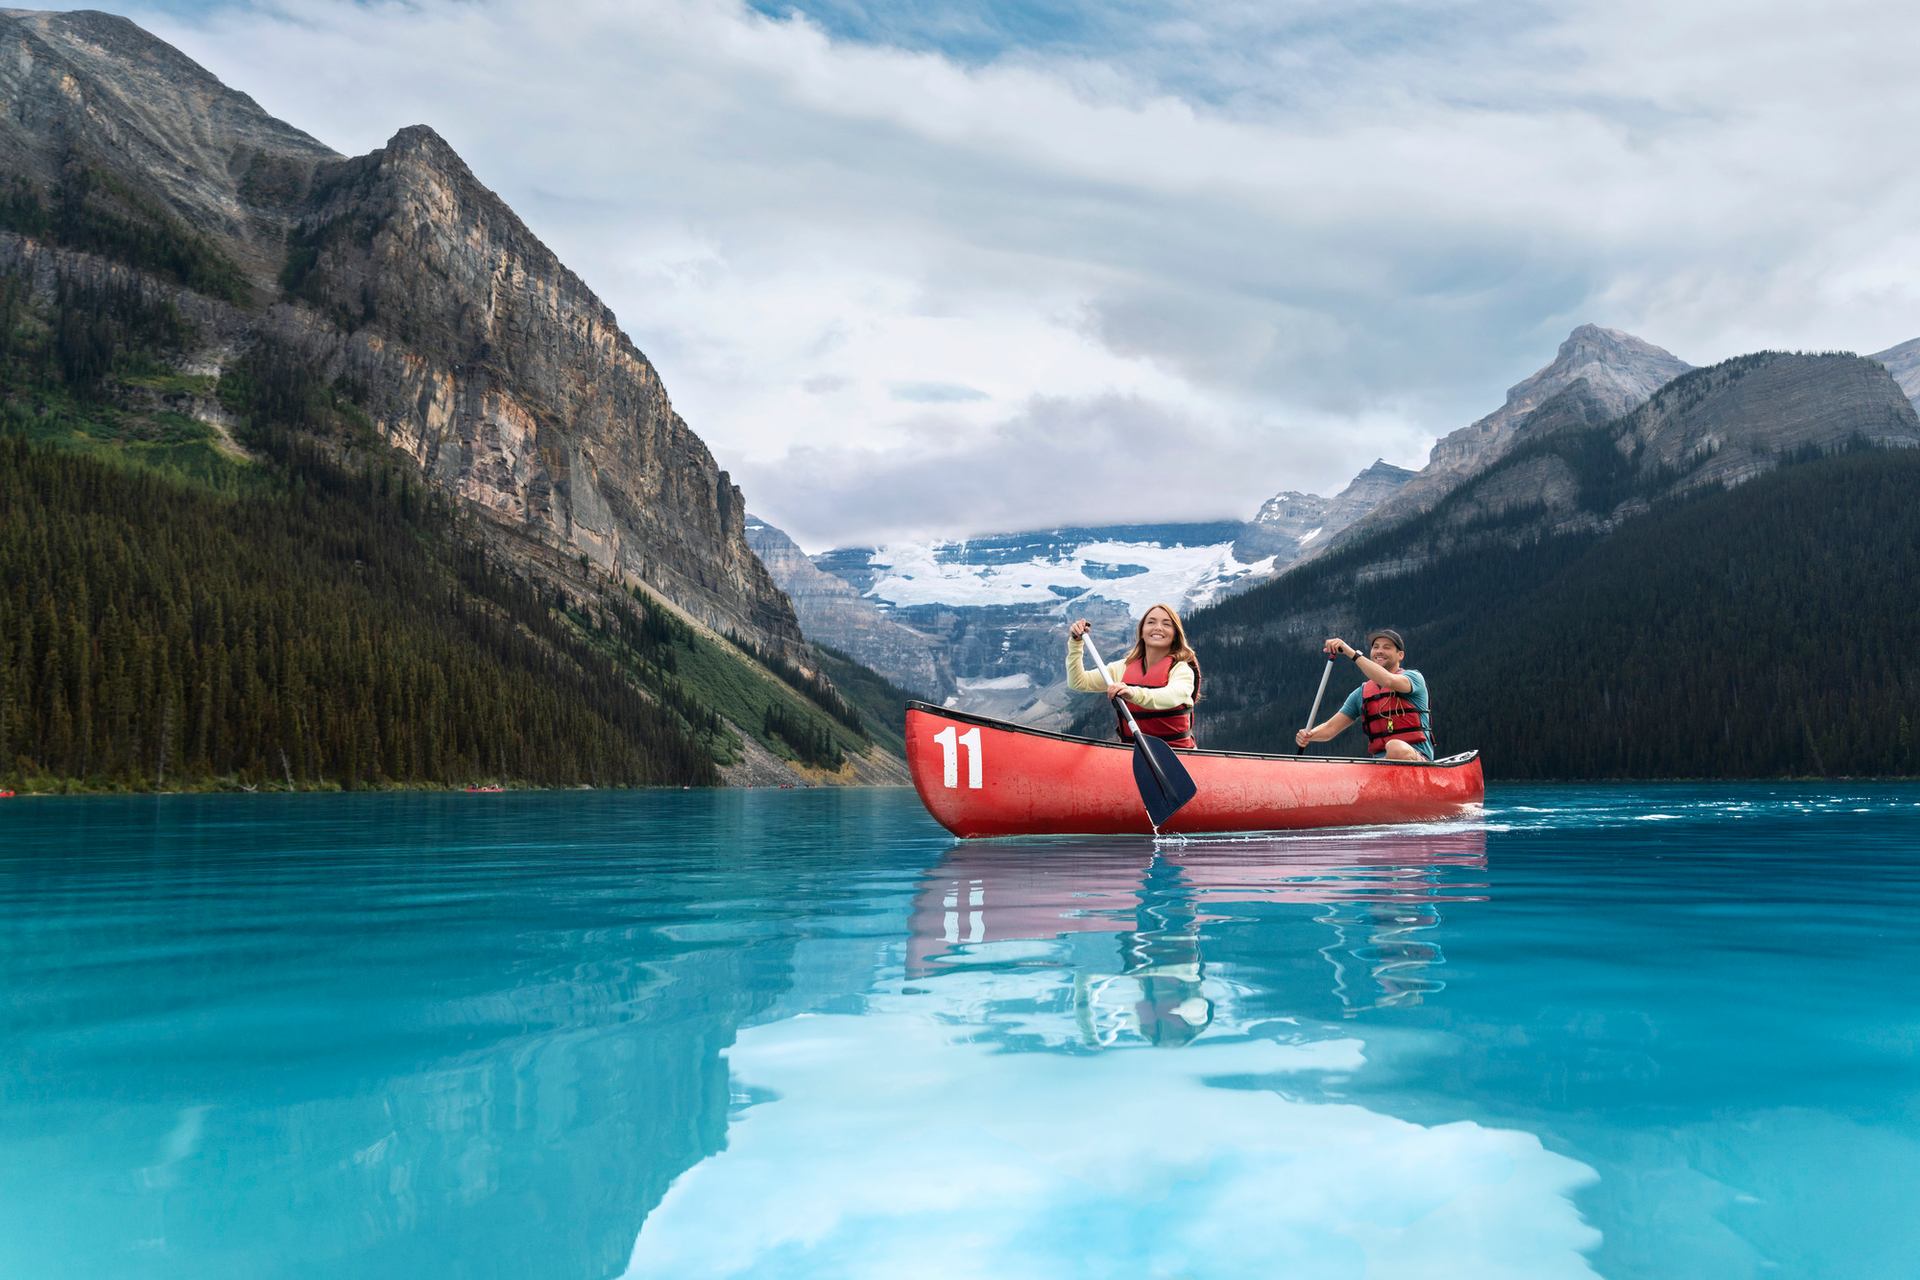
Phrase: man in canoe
pixel 1159 677
pixel 1391 704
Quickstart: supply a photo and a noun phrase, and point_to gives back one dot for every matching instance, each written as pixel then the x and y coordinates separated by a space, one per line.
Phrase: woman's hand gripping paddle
pixel 1163 781
pixel 1315 713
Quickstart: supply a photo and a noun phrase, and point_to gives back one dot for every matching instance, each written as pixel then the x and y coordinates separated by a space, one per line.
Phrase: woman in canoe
pixel 1159 678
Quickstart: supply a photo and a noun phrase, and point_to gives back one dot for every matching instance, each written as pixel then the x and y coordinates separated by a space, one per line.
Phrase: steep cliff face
pixel 510 383
pixel 1597 375
pixel 832 611
pixel 396 277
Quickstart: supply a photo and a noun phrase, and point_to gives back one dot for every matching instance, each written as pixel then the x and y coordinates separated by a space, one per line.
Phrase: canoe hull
pixel 981 777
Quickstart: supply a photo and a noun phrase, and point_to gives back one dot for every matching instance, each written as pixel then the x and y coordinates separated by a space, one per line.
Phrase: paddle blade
pixel 1164 782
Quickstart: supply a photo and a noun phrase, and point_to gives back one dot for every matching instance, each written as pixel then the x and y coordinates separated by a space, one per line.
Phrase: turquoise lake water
pixel 1632 1032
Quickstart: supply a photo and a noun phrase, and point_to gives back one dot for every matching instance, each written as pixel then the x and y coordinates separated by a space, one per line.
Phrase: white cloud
pixel 1104 459
pixel 1329 232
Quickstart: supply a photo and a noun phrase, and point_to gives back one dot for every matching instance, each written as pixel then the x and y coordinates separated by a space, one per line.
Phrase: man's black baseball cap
pixel 1390 634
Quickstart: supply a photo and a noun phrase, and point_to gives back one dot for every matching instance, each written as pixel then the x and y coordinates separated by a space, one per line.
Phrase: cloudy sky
pixel 972 265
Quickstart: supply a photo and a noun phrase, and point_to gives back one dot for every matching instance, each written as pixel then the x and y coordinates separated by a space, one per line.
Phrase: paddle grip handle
pixel 1094 653
pixel 1314 714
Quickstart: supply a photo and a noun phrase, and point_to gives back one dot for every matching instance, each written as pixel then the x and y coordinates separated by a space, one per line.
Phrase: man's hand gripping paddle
pixel 1315 713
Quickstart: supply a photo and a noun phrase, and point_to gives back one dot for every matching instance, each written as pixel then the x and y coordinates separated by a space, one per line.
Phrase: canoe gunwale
pixel 965 717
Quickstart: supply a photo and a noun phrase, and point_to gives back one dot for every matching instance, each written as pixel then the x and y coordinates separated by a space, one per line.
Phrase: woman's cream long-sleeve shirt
pixel 1177 692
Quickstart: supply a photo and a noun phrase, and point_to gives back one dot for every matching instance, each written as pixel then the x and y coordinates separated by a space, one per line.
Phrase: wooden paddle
pixel 1315 713
pixel 1163 781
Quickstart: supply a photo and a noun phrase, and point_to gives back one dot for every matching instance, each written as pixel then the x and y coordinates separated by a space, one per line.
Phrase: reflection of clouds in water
pixel 899 1144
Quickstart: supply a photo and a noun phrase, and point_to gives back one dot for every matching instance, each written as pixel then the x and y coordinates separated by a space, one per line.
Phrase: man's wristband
pixel 1355 655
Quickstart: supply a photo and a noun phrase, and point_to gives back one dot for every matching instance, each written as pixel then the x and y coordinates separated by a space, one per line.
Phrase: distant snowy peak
pixel 1053 571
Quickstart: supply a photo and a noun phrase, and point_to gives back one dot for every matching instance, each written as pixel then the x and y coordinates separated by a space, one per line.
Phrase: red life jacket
pixel 1388 717
pixel 1176 725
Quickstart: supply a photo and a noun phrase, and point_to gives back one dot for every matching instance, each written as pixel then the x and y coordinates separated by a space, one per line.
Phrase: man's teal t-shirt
pixel 1417 696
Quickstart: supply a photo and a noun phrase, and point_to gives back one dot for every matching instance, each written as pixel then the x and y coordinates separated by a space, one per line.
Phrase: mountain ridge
pixel 472 348
pixel 1596 374
pixel 833 611
pixel 1703 430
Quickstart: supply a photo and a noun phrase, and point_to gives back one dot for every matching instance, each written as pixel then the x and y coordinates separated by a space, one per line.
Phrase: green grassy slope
pixel 881 703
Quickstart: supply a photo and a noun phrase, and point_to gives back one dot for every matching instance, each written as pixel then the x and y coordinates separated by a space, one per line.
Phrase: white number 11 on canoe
pixel 951 740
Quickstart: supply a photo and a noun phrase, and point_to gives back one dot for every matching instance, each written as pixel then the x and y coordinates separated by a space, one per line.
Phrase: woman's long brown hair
pixel 1180 651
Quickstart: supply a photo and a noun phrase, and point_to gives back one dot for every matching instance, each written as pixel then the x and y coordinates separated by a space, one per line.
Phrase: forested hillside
pixel 1754 631
pixel 152 635
pixel 352 481
pixel 293 608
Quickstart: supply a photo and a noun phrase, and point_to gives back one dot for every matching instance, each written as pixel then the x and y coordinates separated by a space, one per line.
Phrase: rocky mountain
pixel 197 288
pixel 1742 417
pixel 103 116
pixel 1565 471
pixel 1903 362
pixel 397 277
pixel 1287 524
pixel 1596 375
pixel 833 611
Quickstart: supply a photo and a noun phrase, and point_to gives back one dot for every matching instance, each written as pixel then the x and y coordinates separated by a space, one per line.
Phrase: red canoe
pixel 981 777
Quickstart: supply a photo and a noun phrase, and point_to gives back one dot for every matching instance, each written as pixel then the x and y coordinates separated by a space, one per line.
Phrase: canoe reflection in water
pixel 1133 920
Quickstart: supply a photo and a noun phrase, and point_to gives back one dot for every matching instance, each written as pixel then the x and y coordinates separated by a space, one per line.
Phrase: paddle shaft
pixel 1315 713
pixel 1125 710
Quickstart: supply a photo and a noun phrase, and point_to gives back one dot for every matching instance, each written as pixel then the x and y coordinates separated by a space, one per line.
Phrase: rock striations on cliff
pixel 509 382
pixel 396 275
